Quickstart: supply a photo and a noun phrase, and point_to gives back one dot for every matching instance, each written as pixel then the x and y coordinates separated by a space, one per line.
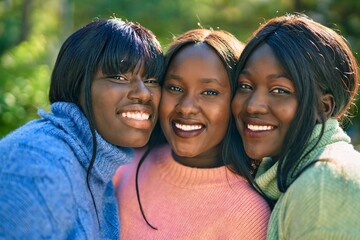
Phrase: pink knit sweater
pixel 187 203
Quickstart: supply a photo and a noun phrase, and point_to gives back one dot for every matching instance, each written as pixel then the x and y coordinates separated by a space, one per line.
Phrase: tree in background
pixel 28 36
pixel 32 30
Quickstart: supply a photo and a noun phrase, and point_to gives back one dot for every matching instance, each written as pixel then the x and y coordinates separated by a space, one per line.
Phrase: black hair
pixel 318 61
pixel 110 45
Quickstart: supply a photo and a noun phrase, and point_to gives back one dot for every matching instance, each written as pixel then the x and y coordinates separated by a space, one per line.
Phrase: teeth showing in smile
pixel 259 127
pixel 188 127
pixel 136 115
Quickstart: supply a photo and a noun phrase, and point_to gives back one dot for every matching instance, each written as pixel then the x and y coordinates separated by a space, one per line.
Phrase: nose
pixel 257 103
pixel 139 92
pixel 187 105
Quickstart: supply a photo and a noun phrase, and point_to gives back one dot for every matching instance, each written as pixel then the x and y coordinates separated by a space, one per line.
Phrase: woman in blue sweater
pixel 55 172
pixel 297 80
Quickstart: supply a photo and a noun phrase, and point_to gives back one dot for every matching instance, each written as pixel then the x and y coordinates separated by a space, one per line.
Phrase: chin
pixel 135 143
pixel 253 155
pixel 184 154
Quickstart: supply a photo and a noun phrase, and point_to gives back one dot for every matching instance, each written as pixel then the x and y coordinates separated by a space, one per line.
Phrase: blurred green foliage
pixel 31 32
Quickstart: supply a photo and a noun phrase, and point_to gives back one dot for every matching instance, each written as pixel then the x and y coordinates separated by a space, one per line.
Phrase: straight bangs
pixel 129 49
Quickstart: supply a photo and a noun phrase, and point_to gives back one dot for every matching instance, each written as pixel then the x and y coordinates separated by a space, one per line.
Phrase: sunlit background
pixel 31 32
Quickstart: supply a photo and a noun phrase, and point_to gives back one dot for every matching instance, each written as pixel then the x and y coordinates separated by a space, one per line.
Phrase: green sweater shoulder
pixel 323 201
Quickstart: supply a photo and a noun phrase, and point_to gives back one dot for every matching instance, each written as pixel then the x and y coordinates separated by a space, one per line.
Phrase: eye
pixel 211 93
pixel 174 88
pixel 152 82
pixel 244 87
pixel 280 91
pixel 118 78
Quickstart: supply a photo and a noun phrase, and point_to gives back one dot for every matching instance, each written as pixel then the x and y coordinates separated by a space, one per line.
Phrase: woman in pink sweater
pixel 193 184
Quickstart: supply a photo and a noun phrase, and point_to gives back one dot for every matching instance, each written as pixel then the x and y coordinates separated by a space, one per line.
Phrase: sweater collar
pixel 75 130
pixel 266 174
pixel 180 175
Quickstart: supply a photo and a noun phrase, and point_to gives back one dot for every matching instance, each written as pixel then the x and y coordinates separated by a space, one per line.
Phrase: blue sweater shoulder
pixel 43 189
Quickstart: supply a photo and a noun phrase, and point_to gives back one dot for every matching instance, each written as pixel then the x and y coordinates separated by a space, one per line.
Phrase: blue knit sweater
pixel 43 191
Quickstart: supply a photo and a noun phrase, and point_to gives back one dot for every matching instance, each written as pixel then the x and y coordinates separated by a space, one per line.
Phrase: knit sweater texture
pixel 323 202
pixel 43 190
pixel 187 203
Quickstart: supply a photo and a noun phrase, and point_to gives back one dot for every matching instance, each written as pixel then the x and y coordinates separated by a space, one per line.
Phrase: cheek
pixel 221 115
pixel 167 104
pixel 100 102
pixel 289 112
pixel 286 113
pixel 105 93
pixel 105 99
pixel 156 95
pixel 236 105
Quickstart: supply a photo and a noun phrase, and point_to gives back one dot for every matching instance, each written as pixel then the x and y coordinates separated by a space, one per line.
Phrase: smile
pixel 185 127
pixel 141 116
pixel 187 130
pixel 259 127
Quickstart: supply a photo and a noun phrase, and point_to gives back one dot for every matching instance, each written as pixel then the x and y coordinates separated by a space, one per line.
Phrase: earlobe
pixel 328 105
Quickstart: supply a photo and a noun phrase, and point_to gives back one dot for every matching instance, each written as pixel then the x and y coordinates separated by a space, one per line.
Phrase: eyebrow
pixel 202 80
pixel 172 76
pixel 271 76
pixel 276 76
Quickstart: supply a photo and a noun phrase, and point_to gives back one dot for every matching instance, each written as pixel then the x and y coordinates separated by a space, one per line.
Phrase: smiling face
pixel 264 105
pixel 125 107
pixel 195 105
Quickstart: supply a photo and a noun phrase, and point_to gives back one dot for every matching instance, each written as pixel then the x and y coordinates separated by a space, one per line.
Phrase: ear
pixel 328 105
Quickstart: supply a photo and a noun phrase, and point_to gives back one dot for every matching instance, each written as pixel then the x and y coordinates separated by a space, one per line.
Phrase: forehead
pixel 263 61
pixel 262 53
pixel 197 61
pixel 198 51
pixel 197 57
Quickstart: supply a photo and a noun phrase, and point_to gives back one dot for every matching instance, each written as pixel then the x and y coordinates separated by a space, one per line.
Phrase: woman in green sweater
pixel 297 80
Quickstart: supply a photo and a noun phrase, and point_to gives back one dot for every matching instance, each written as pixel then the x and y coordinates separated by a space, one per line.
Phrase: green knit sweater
pixel 324 201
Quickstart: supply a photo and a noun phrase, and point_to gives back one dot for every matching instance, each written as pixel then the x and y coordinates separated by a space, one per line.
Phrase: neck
pixel 201 160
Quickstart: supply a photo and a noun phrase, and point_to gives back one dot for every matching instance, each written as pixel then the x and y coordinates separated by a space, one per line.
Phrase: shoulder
pixel 335 174
pixel 324 198
pixel 126 172
pixel 37 133
pixel 33 160
pixel 327 183
pixel 246 205
pixel 31 156
pixel 338 165
pixel 32 149
pixel 35 182
pixel 250 214
pixel 36 194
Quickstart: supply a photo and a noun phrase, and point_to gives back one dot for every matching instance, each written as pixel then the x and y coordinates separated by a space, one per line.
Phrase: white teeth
pixel 188 127
pixel 136 115
pixel 259 127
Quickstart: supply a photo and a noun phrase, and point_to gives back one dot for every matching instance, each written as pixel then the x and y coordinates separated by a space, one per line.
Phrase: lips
pixel 187 129
pixel 257 128
pixel 139 118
